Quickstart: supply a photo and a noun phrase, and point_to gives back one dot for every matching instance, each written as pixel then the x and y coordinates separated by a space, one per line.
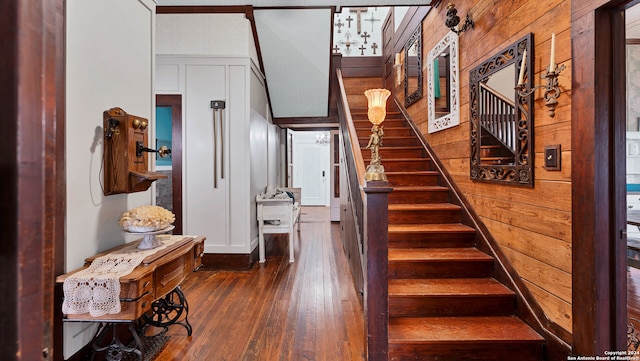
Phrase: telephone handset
pixel 112 127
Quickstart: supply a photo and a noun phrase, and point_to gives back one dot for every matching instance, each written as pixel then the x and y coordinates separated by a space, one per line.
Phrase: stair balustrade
pixel 365 213
pixel 498 116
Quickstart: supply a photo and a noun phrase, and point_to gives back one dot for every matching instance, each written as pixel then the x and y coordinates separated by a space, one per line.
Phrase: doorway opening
pixel 169 133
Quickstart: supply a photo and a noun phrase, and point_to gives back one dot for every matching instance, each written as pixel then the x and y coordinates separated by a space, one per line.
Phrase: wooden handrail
pixel 497 94
pixel 355 146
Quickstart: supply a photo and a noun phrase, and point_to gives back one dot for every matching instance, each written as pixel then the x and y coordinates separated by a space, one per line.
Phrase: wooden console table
pixel 151 293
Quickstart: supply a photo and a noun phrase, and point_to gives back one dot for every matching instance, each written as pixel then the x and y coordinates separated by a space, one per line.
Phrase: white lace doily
pixel 96 289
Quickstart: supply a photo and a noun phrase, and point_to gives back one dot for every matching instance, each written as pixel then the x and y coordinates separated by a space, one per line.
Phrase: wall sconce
pixel 398 68
pixel 453 20
pixel 551 88
pixel 377 104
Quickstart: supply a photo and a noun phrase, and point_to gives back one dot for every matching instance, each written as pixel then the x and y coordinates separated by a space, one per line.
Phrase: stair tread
pixel 420 188
pixel 438 254
pixel 447 287
pixel 412 172
pixel 385 128
pixel 387 159
pixel 460 329
pixel 423 206
pixel 428 228
pixel 387 137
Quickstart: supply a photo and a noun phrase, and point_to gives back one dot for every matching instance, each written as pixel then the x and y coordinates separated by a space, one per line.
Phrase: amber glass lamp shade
pixel 377 103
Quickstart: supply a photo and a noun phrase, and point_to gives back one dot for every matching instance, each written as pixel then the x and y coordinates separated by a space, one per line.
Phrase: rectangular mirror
pixel 501 120
pixel 413 67
pixel 443 85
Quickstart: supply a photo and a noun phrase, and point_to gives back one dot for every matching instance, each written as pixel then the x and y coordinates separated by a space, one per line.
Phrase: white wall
pixel 108 64
pixel 190 44
pixel 225 35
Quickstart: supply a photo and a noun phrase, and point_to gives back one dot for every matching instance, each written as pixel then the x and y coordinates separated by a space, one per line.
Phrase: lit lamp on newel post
pixel 377 103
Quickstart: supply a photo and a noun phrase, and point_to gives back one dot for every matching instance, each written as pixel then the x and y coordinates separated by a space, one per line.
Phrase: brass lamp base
pixel 375 173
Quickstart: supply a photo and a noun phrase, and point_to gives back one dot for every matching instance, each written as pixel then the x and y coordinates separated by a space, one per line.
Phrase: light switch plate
pixel 552 157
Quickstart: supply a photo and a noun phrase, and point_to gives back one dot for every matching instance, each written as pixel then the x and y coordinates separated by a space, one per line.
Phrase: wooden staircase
pixel 444 303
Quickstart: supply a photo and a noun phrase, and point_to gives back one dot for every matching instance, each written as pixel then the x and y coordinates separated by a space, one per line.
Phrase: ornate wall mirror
pixel 413 67
pixel 442 84
pixel 501 121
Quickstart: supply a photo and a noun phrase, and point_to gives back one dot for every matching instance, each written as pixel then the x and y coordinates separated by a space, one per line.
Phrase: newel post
pixel 376 246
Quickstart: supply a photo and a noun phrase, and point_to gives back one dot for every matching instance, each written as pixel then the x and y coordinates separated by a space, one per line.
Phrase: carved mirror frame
pixel 519 172
pixel 451 119
pixel 414 40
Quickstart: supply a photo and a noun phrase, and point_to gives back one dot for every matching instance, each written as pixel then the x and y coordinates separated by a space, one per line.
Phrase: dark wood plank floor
pixel 307 310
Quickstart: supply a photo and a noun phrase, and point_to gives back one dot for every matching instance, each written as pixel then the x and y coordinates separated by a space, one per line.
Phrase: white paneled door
pixel 311 168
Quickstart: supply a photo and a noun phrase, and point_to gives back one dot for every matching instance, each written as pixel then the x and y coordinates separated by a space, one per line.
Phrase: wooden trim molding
pixel 599 277
pixel 33 188
pixel 175 102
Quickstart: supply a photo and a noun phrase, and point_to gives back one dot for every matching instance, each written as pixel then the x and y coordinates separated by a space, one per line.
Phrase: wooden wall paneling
pixel 388 55
pixel 554 251
pixel 553 305
pixel 412 18
pixel 549 222
pixel 361 67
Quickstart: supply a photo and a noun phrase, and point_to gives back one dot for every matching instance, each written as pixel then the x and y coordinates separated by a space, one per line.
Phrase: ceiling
pixel 632 17
pixel 292 3
pixel 295 45
pixel 294 38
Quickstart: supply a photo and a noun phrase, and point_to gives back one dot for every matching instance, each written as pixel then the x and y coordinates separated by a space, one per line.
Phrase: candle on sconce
pixel 552 57
pixel 397 58
pixel 522 66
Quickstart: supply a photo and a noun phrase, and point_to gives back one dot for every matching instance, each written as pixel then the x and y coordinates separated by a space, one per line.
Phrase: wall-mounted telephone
pixel 125 166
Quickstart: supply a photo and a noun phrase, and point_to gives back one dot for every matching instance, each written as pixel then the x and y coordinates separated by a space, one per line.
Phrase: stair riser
pixel 361 122
pixel 388 132
pixel 440 269
pixel 423 216
pixel 386 152
pixel 398 196
pixel 391 142
pixel 445 306
pixel 471 350
pixel 403 165
pixel 430 240
pixel 412 180
pixel 356 101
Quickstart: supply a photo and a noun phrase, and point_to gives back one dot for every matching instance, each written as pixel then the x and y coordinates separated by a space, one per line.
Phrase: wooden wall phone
pixel 125 156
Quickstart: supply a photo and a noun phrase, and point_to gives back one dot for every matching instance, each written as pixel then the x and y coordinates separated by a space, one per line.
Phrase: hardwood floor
pixel 307 310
